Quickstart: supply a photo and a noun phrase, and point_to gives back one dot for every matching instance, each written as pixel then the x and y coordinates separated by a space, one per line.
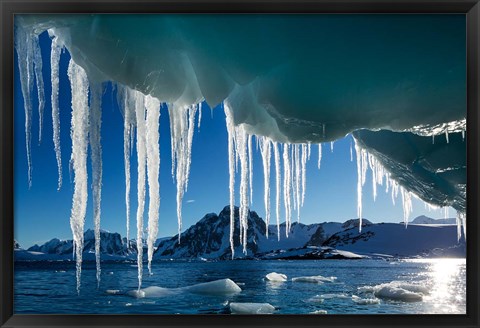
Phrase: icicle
pixel 231 171
pixel 351 152
pixel 265 150
pixel 153 168
pixel 407 205
pixel 79 135
pixel 96 155
pixel 446 135
pixel 304 171
pixel 319 155
pixel 37 60
pixel 250 167
pixel 463 134
pixel 287 186
pixel 141 188
pixel 298 179
pixel 182 125
pixel 23 45
pixel 309 151
pixel 128 116
pixel 278 178
pixel 242 151
pixel 373 167
pixel 199 115
pixel 433 139
pixel 55 60
pixel 361 155
pixel 461 221
pixel 331 146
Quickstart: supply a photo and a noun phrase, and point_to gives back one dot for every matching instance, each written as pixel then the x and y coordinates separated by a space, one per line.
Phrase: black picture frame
pixel 8 8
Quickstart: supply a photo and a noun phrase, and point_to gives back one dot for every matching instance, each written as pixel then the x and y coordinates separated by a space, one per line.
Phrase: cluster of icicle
pixel 366 160
pixel 141 115
pixel 294 157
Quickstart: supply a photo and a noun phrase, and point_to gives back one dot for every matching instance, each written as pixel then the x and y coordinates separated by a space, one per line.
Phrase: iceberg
pixel 284 79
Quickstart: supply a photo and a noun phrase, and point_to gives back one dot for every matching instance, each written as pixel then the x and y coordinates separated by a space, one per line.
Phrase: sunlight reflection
pixel 447 292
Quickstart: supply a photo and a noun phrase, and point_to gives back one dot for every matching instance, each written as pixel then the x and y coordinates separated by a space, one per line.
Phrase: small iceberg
pixel 365 301
pixel 276 277
pixel 217 287
pixel 316 299
pixel 398 294
pixel 330 296
pixel 314 279
pixel 319 312
pixel 252 308
pixel 397 291
pixel 112 291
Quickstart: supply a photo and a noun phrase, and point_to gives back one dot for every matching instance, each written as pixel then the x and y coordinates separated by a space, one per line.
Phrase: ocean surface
pixel 50 287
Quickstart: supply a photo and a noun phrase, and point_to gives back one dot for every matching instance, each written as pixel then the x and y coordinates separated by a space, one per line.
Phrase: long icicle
pixel 96 159
pixel 182 125
pixel 231 171
pixel 141 188
pixel 79 134
pixel 361 174
pixel 37 60
pixel 250 167
pixel 125 103
pixel 153 170
pixel 287 187
pixel 242 151
pixel 265 150
pixel 23 45
pixel 55 61
pixel 278 179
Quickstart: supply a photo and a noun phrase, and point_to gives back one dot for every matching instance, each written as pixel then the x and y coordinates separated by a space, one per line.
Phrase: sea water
pixel 50 287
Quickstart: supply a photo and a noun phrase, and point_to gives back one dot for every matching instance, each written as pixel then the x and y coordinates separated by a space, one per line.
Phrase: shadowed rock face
pixel 210 237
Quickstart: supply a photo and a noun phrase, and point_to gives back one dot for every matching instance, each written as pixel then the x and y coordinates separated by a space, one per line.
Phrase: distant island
pixel 208 239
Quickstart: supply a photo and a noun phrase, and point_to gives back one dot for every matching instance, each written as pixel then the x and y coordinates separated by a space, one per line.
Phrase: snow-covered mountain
pixel 422 219
pixel 112 246
pixel 400 240
pixel 209 238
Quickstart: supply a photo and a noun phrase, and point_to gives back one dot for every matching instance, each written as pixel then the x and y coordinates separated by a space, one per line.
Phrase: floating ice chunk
pixel 136 293
pixel 365 301
pixel 314 279
pixel 316 299
pixel 277 277
pixel 319 312
pixel 217 287
pixel 112 291
pixel 252 308
pixel 330 296
pixel 398 294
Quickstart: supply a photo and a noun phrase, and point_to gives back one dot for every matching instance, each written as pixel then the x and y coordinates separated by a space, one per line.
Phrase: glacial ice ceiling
pixel 396 82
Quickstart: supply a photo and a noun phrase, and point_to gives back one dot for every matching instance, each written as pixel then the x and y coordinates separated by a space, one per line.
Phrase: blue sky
pixel 42 212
